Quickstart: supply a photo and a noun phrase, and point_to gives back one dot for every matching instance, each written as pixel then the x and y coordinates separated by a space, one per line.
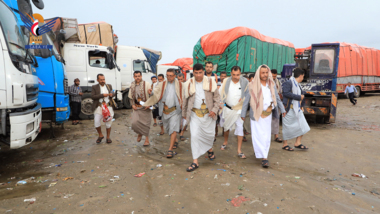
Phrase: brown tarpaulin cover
pixel 97 33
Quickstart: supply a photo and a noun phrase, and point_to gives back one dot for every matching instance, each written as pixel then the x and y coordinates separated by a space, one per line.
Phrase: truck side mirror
pixel 45 53
pixel 147 67
pixel 111 64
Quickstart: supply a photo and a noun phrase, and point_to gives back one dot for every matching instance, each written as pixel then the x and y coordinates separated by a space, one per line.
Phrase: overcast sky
pixel 175 26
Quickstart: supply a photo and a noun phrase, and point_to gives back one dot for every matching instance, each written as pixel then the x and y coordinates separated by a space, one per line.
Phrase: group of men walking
pixel 199 103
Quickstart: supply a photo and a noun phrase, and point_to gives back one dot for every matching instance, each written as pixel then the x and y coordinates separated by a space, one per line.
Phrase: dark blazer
pixel 96 95
pixel 288 95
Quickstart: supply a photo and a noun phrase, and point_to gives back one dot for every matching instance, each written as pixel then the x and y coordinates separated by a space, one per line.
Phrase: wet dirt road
pixel 89 178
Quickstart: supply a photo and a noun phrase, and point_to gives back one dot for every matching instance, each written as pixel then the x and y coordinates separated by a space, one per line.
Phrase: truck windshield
pixel 12 31
pixel 47 40
pixel 139 65
pixel 98 59
pixel 324 61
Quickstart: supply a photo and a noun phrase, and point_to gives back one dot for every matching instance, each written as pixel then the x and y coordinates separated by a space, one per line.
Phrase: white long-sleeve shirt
pixel 350 89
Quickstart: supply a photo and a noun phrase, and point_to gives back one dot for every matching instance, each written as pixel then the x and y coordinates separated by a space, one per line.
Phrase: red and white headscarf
pixel 257 99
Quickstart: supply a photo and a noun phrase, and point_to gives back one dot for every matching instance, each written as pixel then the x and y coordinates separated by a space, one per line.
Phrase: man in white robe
pixel 168 95
pixel 232 96
pixel 262 97
pixel 200 106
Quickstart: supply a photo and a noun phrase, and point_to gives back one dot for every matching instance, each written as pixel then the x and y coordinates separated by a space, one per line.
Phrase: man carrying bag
pixel 102 106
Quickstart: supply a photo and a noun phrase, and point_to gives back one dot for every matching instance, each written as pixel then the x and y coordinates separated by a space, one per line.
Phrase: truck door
pixel 97 63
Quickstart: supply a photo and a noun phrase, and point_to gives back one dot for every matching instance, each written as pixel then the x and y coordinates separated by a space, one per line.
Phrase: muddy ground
pixel 314 181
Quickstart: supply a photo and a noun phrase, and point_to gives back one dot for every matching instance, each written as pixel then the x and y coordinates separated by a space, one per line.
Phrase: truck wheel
pixel 126 102
pixel 86 112
pixel 357 94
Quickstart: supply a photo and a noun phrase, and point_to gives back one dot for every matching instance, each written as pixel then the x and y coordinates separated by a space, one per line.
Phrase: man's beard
pixel 208 72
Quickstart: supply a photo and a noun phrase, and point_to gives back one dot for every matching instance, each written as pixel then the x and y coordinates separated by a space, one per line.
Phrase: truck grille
pixel 66 86
pixel 31 92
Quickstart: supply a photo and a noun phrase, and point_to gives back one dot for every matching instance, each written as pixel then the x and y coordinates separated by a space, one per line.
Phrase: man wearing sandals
pixel 263 98
pixel 294 125
pixel 276 120
pixel 101 93
pixel 142 115
pixel 168 95
pixel 200 105
pixel 232 95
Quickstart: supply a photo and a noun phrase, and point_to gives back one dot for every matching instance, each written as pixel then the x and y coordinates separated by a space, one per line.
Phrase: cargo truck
pixel 53 95
pixel 20 114
pixel 100 35
pixel 329 67
pixel 244 47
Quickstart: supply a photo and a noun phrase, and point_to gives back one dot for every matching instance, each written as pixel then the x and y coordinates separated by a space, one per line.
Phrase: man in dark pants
pixel 350 89
pixel 75 101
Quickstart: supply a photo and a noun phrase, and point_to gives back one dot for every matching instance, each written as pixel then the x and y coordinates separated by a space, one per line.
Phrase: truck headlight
pixel 29 127
pixel 62 109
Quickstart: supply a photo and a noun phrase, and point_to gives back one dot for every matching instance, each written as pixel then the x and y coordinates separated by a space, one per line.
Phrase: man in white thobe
pixel 168 95
pixel 200 105
pixel 263 98
pixel 232 95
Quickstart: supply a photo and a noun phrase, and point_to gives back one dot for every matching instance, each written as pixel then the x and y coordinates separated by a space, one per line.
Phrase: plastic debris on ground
pixel 68 195
pixel 140 174
pixel 115 178
pixel 68 178
pixel 226 184
pixel 236 202
pixel 102 186
pixel 159 165
pixel 30 200
pixel 21 183
pixel 359 175
pixel 52 184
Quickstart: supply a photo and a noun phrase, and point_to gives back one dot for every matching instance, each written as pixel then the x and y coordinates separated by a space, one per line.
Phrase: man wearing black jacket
pixel 294 124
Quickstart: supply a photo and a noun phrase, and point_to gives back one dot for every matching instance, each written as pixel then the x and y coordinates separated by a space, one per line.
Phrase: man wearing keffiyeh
pixel 263 98
pixel 294 125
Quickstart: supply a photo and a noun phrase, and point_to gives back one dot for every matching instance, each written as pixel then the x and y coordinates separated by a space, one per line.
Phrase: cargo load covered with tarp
pixel 98 33
pixel 356 60
pixel 153 57
pixel 65 30
pixel 244 47
pixel 185 63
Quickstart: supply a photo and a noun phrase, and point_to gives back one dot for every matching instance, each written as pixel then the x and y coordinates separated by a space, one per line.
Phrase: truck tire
pixel 126 102
pixel 86 112
pixel 357 94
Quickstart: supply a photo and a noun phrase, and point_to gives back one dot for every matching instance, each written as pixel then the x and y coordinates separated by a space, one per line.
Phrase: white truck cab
pixel 20 115
pixel 131 59
pixel 85 62
pixel 161 69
